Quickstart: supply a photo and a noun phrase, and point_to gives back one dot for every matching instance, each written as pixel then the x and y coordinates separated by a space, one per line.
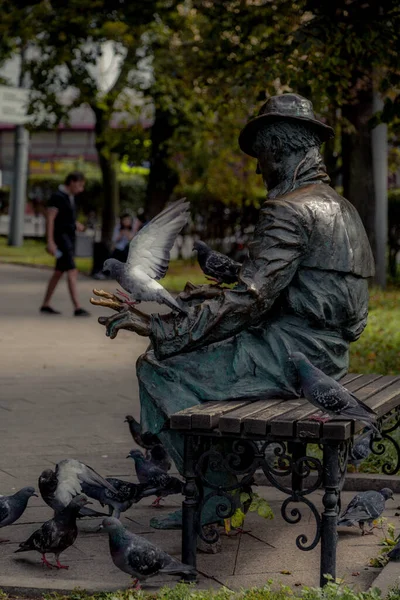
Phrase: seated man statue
pixel 303 287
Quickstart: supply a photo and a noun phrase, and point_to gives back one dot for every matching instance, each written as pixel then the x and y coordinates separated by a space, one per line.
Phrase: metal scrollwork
pixel 240 461
pixel 378 445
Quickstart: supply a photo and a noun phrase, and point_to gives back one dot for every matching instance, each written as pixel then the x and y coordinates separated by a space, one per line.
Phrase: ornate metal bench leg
pixel 190 506
pixel 331 482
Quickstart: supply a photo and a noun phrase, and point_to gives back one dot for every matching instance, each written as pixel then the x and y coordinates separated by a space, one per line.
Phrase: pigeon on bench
pixel 137 556
pixel 13 507
pixel 57 534
pixel 60 486
pixel 330 396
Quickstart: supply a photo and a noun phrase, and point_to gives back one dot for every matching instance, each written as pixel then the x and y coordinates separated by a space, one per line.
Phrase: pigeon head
pixel 136 455
pixel 79 501
pixel 387 493
pixel 201 247
pixel 112 267
pixel 129 419
pixel 27 492
pixel 110 524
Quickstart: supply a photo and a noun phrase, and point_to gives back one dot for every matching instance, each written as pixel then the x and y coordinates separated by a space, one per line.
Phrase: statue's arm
pixel 280 242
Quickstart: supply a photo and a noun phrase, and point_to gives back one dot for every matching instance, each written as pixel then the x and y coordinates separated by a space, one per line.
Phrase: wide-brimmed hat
pixel 286 107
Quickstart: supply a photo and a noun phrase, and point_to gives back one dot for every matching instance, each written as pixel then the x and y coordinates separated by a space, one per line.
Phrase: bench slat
pixel 232 422
pixel 259 423
pixel 204 416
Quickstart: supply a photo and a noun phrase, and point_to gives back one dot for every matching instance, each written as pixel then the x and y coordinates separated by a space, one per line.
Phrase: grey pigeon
pixel 137 556
pixel 216 265
pixel 148 258
pixel 361 449
pixel 365 507
pixel 57 534
pixel 12 507
pixel 154 477
pixel 159 457
pixel 394 554
pixel 144 439
pixel 60 486
pixel 127 494
pixel 328 395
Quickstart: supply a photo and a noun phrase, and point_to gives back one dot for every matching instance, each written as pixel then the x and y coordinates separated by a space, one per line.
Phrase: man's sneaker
pixel 49 311
pixel 81 312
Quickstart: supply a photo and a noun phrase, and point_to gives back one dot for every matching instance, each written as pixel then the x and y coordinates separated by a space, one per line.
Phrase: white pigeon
pixel 148 258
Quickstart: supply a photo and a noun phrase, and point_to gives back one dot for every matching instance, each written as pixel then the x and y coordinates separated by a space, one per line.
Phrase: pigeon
pixel 154 477
pixel 12 507
pixel 215 265
pixel 365 507
pixel 159 457
pixel 144 439
pixel 137 556
pixel 127 494
pixel 57 534
pixel 60 486
pixel 361 449
pixel 328 395
pixel 148 258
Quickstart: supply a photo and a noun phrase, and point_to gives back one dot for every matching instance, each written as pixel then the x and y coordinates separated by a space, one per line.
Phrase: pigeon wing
pixel 71 474
pixel 4 509
pixel 219 264
pixel 150 248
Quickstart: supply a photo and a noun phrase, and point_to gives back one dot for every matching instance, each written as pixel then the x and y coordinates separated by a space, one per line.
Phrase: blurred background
pixel 148 98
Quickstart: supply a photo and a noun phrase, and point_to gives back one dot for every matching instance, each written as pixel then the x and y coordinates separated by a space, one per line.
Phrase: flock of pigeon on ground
pixel 67 489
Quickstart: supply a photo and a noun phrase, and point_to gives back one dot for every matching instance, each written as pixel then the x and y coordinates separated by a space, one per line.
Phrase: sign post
pixel 13 109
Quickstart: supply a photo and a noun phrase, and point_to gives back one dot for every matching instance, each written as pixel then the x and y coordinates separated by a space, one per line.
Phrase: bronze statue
pixel 303 287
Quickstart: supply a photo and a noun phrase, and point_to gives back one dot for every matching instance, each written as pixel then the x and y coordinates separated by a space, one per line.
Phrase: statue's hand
pixel 199 292
pixel 127 318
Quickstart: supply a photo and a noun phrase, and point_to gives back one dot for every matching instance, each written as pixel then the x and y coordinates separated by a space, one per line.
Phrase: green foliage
pixel 388 542
pixel 258 505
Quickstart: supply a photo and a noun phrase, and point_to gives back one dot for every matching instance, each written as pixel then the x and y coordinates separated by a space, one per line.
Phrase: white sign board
pixel 13 105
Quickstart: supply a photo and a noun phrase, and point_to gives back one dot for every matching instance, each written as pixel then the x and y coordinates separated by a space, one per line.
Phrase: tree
pixel 66 46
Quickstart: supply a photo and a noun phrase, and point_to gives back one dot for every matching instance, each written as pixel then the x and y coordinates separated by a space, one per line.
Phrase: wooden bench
pixel 235 435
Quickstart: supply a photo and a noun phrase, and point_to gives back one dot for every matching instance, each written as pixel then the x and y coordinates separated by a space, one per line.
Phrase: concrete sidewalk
pixel 65 390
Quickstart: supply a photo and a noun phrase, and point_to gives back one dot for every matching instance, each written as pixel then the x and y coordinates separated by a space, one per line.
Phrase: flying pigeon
pixel 12 507
pixel 215 265
pixel 148 258
pixel 127 494
pixel 60 486
pixel 328 395
pixel 365 507
pixel 57 534
pixel 154 477
pixel 144 439
pixel 361 449
pixel 137 556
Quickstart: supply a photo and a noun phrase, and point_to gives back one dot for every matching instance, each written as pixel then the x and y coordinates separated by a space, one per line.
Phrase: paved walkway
pixel 65 390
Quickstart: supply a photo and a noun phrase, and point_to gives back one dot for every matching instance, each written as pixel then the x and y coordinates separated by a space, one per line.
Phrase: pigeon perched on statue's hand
pixel 365 507
pixel 12 507
pixel 148 258
pixel 154 477
pixel 328 395
pixel 127 494
pixel 216 265
pixel 57 534
pixel 60 486
pixel 138 557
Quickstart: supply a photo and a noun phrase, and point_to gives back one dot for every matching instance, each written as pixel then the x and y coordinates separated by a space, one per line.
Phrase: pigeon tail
pixel 178 569
pixel 89 512
pixel 171 302
pixel 346 523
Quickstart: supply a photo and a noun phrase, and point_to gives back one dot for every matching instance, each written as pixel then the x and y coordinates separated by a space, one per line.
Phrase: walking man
pixel 61 227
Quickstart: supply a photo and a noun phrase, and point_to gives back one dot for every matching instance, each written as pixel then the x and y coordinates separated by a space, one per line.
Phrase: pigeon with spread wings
pixel 148 258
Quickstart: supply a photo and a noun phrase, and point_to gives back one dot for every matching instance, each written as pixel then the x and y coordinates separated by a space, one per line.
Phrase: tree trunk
pixel 108 167
pixel 358 183
pixel 162 178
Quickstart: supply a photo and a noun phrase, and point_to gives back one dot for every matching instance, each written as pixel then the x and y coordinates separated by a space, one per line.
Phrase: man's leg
pixel 54 279
pixel 72 276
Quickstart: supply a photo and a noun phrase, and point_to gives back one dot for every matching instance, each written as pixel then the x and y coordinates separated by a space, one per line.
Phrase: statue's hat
pixel 286 107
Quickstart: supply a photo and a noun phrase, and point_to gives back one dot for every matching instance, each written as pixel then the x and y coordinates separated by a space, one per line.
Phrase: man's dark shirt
pixel 64 223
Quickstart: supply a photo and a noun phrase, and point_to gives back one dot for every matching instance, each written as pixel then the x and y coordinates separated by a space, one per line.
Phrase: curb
pixel 354 482
pixel 39 587
pixel 387 579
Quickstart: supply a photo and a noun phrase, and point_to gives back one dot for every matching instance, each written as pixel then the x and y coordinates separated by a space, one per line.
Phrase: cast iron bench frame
pixel 250 427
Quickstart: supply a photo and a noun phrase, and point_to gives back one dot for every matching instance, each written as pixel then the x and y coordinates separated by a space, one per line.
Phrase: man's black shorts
pixel 66 262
